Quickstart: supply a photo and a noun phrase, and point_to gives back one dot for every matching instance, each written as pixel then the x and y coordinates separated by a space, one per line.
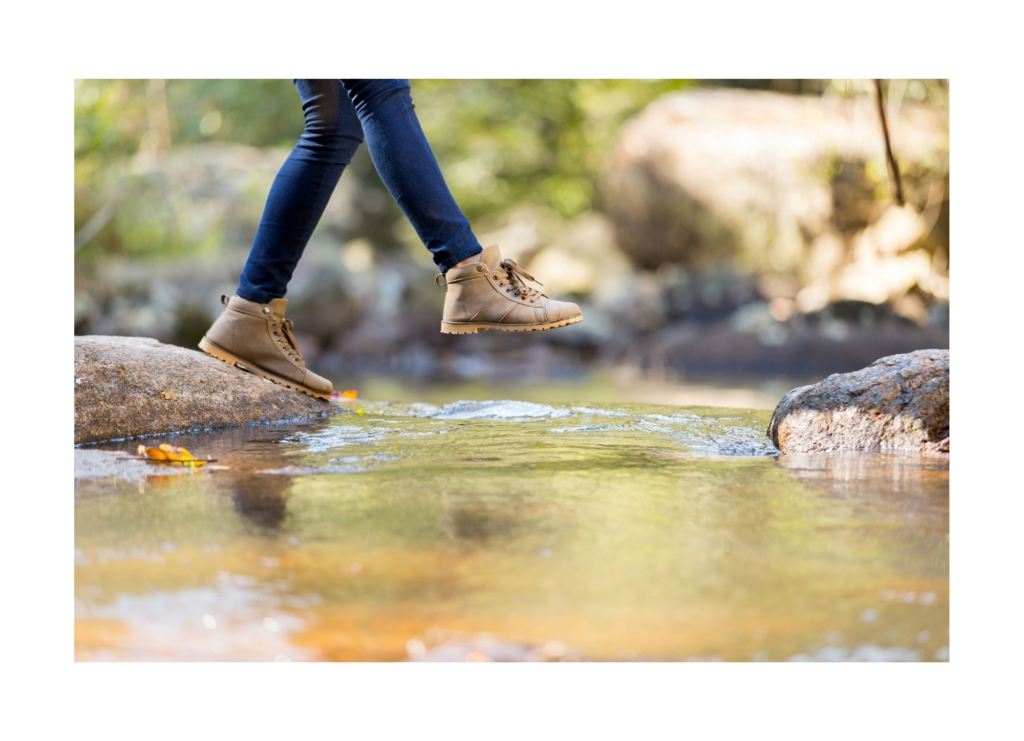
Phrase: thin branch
pixel 894 169
pixel 93 226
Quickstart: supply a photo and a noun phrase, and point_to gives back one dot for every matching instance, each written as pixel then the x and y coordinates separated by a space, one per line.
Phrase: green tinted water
pixel 509 530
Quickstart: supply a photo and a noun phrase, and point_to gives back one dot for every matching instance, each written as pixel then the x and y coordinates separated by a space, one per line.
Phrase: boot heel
pixel 456 328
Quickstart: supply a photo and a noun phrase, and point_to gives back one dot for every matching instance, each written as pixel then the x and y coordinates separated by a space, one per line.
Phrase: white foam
pixel 337 437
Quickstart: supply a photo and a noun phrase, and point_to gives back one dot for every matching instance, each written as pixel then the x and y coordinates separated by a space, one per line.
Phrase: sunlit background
pixel 726 240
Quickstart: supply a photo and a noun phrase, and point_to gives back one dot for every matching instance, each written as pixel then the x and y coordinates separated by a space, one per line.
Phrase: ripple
pixel 505 409
pixel 337 437
pixel 591 428
pixel 348 464
pixel 698 434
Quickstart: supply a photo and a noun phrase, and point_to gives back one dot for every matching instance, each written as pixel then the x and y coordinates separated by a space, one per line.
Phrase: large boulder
pixel 794 186
pixel 132 386
pixel 900 402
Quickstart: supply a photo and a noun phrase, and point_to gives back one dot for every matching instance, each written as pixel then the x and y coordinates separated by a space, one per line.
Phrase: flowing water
pixel 514 530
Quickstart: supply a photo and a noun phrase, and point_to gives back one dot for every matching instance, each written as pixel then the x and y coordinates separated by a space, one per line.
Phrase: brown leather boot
pixel 257 338
pixel 492 294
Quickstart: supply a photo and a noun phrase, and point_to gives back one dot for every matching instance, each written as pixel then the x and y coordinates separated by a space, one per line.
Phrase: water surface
pixel 519 531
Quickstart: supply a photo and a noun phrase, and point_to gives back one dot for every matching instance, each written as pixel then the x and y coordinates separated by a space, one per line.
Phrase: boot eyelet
pixel 266 309
pixel 479 268
pixel 495 277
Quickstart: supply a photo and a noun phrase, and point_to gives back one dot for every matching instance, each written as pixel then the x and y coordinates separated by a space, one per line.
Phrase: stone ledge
pixel 900 402
pixel 135 386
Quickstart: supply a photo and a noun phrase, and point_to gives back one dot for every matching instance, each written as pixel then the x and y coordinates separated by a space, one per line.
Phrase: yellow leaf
pixel 168 453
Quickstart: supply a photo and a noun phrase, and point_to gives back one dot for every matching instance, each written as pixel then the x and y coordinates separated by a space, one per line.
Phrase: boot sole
pixel 475 327
pixel 223 355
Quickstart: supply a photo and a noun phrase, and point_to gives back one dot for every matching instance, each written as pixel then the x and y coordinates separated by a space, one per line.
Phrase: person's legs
pixel 301 189
pixel 406 164
pixel 253 332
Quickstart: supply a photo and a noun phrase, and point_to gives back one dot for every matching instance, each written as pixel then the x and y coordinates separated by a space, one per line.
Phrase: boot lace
pixel 292 345
pixel 516 276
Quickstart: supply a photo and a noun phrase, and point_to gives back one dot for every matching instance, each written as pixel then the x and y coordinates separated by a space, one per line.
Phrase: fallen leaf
pixel 360 411
pixel 347 394
pixel 154 453
pixel 169 454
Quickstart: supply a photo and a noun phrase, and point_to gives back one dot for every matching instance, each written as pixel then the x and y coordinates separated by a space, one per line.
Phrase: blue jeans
pixel 339 114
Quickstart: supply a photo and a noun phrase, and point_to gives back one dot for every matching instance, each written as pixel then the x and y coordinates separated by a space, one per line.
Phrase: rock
pixel 900 402
pixel 785 185
pixel 132 386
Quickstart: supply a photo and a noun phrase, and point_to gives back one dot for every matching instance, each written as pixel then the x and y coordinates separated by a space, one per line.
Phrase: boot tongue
pixel 490 257
pixel 278 305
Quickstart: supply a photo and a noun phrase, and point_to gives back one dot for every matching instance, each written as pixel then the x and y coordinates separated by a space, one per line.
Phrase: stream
pixel 513 530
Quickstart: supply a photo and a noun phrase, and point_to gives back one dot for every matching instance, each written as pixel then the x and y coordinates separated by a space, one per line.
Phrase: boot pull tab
pixel 224 299
pixel 440 285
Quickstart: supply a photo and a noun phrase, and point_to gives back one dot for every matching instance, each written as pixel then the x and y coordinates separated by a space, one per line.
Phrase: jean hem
pixel 255 296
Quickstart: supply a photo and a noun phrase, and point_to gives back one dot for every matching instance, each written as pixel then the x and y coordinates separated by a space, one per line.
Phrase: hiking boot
pixel 257 338
pixel 493 294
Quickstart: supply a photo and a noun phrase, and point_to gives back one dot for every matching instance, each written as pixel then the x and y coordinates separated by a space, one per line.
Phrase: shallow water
pixel 519 531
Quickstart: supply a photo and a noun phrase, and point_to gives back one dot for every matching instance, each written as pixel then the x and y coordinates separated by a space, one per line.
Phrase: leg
pixel 301 189
pixel 406 164
pixel 252 332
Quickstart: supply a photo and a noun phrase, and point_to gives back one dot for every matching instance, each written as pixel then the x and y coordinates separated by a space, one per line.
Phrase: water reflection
pixel 461 520
pixel 262 500
pixel 895 474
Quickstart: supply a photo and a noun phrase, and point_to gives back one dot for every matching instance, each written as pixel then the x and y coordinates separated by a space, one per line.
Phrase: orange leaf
pixel 350 394
pixel 154 453
pixel 167 453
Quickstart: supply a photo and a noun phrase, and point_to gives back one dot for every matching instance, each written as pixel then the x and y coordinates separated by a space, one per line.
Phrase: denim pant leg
pixel 406 164
pixel 302 188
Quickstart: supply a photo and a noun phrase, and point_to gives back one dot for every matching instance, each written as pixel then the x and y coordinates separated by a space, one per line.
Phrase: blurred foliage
pixel 113 117
pixel 537 142
pixel 501 143
pixel 119 124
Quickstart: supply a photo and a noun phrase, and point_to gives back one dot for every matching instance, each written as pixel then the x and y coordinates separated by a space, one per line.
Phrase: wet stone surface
pixel 511 531
pixel 135 386
pixel 900 402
